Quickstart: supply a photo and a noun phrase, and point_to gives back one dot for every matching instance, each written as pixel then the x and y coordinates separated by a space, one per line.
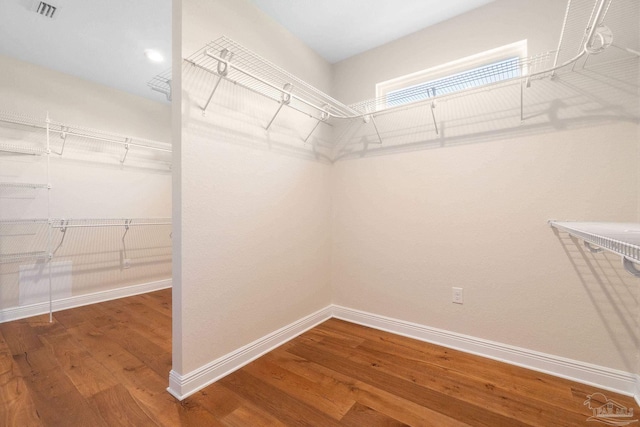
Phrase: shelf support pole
pixel 49 221
pixel 630 266
pixel 284 100
pixel 223 70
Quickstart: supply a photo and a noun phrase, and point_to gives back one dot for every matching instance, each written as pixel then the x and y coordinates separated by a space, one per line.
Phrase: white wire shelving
pixel 23 256
pixel 162 83
pixel 32 240
pixel 584 34
pixel 231 61
pixel 64 223
pixel 59 134
pixel 21 229
pixel 23 185
pixel 622 239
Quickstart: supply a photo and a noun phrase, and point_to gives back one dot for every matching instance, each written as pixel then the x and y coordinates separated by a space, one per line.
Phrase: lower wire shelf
pixel 17 257
pixel 621 238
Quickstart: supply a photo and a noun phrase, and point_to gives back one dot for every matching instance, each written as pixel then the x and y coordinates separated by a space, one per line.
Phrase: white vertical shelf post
pixel 49 220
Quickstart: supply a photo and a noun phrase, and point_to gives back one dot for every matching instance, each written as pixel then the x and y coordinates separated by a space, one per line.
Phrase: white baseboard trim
pixel 183 386
pixel 16 313
pixel 598 376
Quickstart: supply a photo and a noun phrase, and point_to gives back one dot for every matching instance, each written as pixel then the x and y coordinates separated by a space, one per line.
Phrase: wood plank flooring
pixel 108 365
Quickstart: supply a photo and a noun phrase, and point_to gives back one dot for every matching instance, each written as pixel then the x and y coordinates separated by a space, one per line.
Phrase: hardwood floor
pixel 108 365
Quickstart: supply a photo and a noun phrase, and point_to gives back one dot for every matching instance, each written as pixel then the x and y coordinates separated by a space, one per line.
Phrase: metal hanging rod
pixel 12 148
pixel 20 221
pixel 622 239
pixel 125 142
pixel 16 119
pixel 108 225
pixel 88 222
pixel 100 223
pixel 22 185
pixel 7 258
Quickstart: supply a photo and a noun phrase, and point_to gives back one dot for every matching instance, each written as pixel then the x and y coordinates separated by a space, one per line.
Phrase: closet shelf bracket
pixel 525 83
pixel 591 248
pixel 371 118
pixel 285 99
pixel 261 76
pixel 63 137
pixel 631 267
pixel 224 63
pixel 126 150
pixel 63 230
pixel 324 115
pixel 433 113
pixel 622 239
pixel 127 222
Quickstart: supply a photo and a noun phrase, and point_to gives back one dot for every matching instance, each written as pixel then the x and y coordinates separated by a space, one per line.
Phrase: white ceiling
pixel 104 40
pixel 98 40
pixel 338 29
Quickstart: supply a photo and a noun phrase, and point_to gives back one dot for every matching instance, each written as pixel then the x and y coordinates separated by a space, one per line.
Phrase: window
pixel 488 67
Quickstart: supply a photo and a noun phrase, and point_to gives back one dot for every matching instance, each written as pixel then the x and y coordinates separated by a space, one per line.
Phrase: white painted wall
pixel 34 90
pixel 266 235
pixel 471 211
pixel 88 180
pixel 254 223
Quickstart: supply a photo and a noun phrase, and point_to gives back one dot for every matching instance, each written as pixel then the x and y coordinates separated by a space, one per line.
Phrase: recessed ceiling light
pixel 153 55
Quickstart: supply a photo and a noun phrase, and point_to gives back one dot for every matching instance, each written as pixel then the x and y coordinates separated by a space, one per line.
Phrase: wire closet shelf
pixel 108 222
pixel 622 239
pixel 228 60
pixel 26 226
pixel 162 83
pixel 61 132
pixel 231 61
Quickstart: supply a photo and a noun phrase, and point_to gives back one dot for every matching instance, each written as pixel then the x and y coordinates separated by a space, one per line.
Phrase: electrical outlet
pixel 126 263
pixel 457 296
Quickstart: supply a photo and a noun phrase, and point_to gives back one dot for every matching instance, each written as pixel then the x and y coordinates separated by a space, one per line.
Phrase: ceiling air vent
pixel 45 9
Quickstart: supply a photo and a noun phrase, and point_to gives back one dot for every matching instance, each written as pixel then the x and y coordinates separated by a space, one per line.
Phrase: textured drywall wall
pixel 254 221
pixel 468 208
pixel 409 227
pixel 33 90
